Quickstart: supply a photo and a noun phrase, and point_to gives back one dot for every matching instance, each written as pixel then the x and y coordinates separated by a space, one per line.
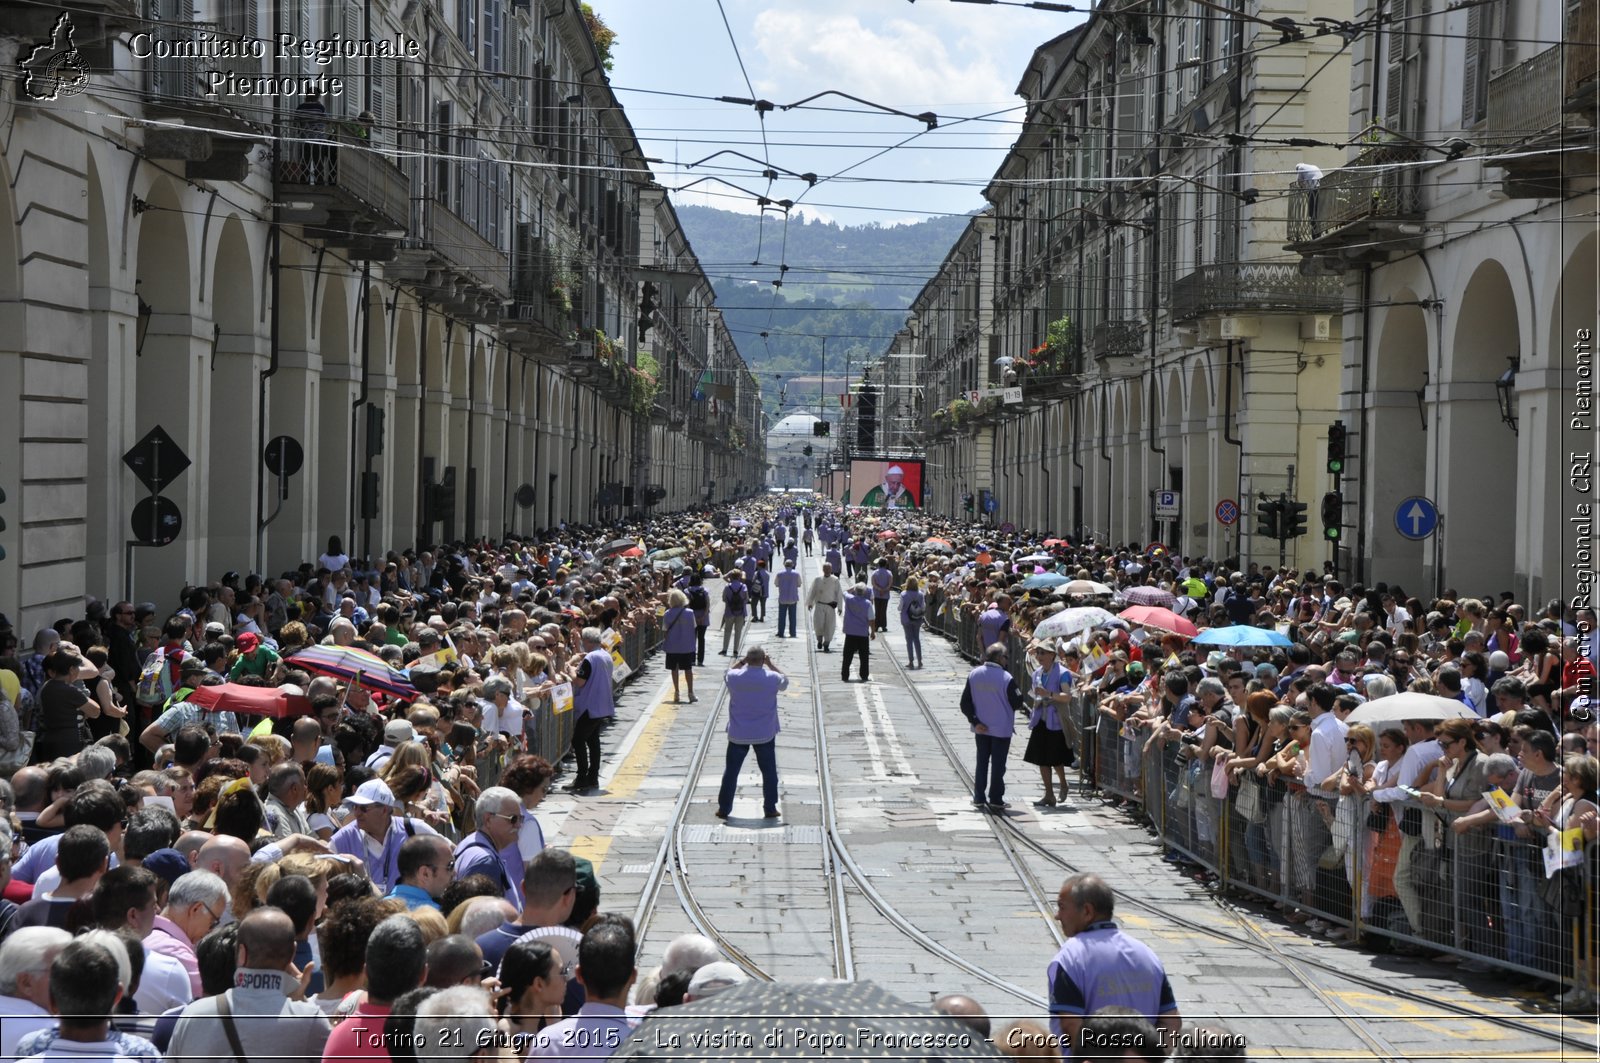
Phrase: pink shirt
pixel 167 938
pixel 360 1036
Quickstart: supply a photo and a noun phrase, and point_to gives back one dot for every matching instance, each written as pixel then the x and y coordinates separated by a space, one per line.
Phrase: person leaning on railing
pixel 1457 784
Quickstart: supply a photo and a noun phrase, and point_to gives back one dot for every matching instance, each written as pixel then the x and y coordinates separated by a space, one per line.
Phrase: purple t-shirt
pixel 1101 967
pixel 679 626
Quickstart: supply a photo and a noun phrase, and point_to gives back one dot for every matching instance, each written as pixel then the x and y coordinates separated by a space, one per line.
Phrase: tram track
pixel 1013 835
pixel 860 880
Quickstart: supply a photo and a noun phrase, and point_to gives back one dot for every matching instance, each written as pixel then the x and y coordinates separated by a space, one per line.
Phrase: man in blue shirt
pixel 788 583
pixel 753 688
pixel 425 864
pixel 1099 966
pixel 493 850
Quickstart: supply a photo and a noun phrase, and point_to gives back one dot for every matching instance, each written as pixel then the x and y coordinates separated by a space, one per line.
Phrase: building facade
pixel 429 280
pixel 1216 238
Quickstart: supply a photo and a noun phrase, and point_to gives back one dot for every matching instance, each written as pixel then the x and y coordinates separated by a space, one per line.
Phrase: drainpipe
pixel 361 396
pixel 275 337
pixel 1105 455
pixel 1077 524
pixel 1360 559
pixel 1245 509
pixel 572 451
pixel 423 528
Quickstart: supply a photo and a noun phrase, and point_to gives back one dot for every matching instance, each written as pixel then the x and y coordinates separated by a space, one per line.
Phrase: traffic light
pixel 1332 515
pixel 967 502
pixel 1268 511
pixel 807 451
pixel 374 430
pixel 1293 521
pixel 369 495
pixel 647 308
pixel 1336 447
pixel 821 428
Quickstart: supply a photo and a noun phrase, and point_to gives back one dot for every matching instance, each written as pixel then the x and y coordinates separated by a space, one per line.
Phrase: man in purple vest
pixel 593 704
pixel 788 583
pixel 882 584
pixel 990 703
pixel 858 633
pixel 753 687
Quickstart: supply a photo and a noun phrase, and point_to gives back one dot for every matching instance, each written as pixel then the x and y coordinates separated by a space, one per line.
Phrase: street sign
pixel 283 456
pixel 1166 505
pixel 1416 517
pixel 1227 511
pixel 156 521
pixel 156 460
pixel 991 504
pixel 1003 394
pixel 1007 528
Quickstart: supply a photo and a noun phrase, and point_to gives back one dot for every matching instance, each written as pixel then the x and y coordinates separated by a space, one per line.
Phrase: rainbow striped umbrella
pixel 362 667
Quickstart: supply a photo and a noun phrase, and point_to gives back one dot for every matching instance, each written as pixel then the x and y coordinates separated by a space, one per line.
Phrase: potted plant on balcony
pixel 563 282
pixel 960 411
pixel 644 382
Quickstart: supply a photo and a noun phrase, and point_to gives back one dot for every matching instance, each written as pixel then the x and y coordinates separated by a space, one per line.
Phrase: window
pixel 467 24
pixel 1402 107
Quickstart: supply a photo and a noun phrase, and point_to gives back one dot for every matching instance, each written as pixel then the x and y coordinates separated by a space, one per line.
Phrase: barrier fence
pixel 1393 873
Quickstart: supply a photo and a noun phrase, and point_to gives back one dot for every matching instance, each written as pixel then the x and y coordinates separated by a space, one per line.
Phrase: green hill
pixel 849 283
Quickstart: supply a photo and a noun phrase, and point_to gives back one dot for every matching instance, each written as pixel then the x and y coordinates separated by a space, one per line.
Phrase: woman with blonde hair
pixel 432 802
pixel 276 747
pixel 678 641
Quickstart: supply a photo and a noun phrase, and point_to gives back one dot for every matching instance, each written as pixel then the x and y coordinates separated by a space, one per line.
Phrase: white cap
pixel 894 470
pixel 397 731
pixel 373 792
pixel 713 978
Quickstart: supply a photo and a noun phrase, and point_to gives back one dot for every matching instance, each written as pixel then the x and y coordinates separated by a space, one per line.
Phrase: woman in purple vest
pixel 678 641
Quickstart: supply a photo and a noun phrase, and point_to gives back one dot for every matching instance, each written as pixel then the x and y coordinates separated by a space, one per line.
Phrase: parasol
pixel 1389 713
pixel 250 701
pixel 1043 580
pixel 1070 622
pixel 1083 586
pixel 1242 635
pixel 1160 619
pixel 1155 596
pixel 358 666
pixel 615 546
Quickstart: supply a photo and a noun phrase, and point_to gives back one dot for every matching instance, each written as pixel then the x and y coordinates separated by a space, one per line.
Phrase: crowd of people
pixel 178 872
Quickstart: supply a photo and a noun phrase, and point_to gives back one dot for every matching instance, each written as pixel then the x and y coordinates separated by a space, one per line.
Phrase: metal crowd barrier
pixel 548 733
pixel 1481 896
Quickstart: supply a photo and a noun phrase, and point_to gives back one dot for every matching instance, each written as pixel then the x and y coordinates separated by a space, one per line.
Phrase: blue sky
pixel 955 60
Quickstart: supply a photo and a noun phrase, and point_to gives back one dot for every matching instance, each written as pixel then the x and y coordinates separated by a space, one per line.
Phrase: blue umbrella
pixel 1045 579
pixel 1241 635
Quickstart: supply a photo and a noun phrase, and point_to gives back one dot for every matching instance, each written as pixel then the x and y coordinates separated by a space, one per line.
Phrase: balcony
pixel 343 194
pixel 1361 212
pixel 214 127
pixel 1541 110
pixel 1254 288
pixel 539 309
pixel 1116 346
pixel 466 253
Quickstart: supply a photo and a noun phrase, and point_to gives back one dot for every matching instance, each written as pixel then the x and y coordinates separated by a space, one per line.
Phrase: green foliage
pixel 859 312
pixel 604 36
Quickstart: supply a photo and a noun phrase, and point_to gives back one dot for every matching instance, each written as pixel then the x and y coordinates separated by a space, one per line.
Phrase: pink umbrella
pixel 1161 619
pixel 1149 596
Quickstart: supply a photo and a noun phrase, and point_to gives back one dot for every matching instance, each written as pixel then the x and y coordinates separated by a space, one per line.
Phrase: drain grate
pixel 636 869
pixel 936 869
pixel 707 834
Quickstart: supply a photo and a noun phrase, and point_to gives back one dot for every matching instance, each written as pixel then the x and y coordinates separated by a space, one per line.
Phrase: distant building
pixel 788 464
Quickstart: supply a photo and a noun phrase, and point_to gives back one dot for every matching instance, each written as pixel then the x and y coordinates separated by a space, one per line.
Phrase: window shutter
pixel 354 100
pixel 1394 67
pixel 1473 73
pixel 383 89
pixel 303 30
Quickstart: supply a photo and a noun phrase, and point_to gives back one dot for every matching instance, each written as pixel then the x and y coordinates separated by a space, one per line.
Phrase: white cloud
pixel 901 62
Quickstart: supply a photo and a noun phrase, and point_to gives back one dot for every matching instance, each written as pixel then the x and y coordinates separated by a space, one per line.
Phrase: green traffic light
pixel 1335 465
pixel 1331 534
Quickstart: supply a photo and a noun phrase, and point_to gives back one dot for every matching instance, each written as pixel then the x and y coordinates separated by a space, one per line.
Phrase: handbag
pixel 16 759
pixel 1219 778
pixel 1250 805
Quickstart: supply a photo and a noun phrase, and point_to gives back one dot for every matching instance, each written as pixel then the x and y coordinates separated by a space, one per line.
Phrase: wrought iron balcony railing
pixel 1254 287
pixel 1112 339
pixel 1379 186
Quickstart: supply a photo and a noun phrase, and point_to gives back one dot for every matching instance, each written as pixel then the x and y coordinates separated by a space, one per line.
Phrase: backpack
pixel 915 610
pixel 155 679
pixel 698 600
pixel 741 596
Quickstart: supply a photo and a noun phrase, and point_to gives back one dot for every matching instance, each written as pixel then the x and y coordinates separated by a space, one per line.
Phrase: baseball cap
pixel 713 978
pixel 373 792
pixel 169 865
pixel 397 731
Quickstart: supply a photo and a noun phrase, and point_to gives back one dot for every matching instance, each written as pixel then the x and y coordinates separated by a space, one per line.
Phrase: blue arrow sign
pixel 1416 517
pixel 991 504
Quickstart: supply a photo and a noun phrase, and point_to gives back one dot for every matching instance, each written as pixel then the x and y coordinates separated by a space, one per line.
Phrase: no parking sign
pixel 1227 511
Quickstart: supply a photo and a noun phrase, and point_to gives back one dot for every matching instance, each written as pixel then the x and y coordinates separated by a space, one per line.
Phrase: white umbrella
pixel 1069 622
pixel 1083 586
pixel 1389 713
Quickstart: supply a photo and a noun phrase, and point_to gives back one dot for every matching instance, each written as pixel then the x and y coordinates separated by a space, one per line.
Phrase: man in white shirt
pixel 1424 750
pixel 1395 616
pixel 25 983
pixel 126 898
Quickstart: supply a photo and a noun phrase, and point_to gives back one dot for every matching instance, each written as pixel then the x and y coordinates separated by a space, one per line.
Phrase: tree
pixel 604 36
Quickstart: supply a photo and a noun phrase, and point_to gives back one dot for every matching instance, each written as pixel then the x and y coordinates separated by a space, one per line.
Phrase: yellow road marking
pixel 632 771
pixel 592 847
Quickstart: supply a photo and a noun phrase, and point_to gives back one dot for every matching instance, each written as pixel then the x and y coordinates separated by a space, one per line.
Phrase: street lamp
pixel 1505 391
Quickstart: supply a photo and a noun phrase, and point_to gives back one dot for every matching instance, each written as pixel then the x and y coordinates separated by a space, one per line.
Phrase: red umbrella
pixel 1056 542
pixel 888 535
pixel 1162 619
pixel 632 551
pixel 252 701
